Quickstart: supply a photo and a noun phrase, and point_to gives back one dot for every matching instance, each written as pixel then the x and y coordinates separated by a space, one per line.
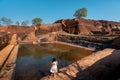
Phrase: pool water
pixel 34 61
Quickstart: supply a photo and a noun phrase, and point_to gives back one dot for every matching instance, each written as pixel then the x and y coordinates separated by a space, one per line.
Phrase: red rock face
pixel 47 28
pixel 16 29
pixel 85 26
pixel 2 29
pixel 19 30
pixel 73 26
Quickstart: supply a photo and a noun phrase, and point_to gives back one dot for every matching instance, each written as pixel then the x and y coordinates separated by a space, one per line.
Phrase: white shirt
pixel 54 68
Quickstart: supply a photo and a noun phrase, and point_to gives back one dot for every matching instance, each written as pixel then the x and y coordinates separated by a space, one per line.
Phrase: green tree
pixel 25 23
pixel 6 21
pixel 82 12
pixel 36 21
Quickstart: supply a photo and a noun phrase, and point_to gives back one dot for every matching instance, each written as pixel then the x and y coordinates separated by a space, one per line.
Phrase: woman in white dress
pixel 54 68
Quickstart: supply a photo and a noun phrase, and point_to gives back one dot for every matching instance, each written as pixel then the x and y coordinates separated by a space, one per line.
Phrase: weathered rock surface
pixel 4 39
pixel 72 26
pixel 98 42
pixel 86 26
pixel 116 44
pixel 47 28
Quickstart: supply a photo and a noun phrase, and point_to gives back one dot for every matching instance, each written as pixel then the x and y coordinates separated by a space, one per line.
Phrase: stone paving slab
pixel 9 68
pixel 4 54
pixel 13 55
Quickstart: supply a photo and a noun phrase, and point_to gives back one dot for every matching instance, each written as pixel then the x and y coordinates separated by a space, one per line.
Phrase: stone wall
pixel 4 39
pixel 95 42
pixel 47 28
pixel 21 31
pixel 3 28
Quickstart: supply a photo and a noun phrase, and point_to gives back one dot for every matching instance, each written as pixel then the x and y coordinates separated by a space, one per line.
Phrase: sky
pixel 52 10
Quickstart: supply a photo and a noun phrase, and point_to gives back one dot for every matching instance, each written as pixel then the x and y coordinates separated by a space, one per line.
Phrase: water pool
pixel 34 61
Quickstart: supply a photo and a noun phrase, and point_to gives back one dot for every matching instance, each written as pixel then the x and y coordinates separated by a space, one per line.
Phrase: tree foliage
pixel 6 21
pixel 82 12
pixel 25 23
pixel 17 23
pixel 36 21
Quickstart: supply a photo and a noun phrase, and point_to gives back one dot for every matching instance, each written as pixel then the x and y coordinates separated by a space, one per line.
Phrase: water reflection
pixel 34 61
